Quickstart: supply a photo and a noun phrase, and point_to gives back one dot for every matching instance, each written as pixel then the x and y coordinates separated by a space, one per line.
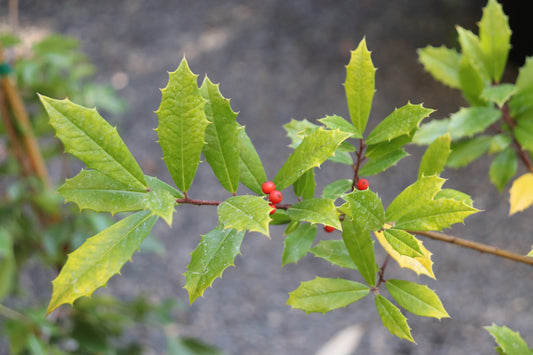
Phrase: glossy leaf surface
pixel 417 299
pixel 360 248
pixel 251 171
pixel 317 210
pixel 434 159
pixel 245 213
pixel 297 243
pixel 393 319
pixel 335 252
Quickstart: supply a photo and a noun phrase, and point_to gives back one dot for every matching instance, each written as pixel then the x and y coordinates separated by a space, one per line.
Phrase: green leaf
pixel 472 82
pixel 499 142
pixel 365 208
pixel 8 265
pixel 393 319
pixel 360 85
pixel 335 189
pixel 466 151
pixel 384 148
pixel 402 121
pixel 335 252
pixel 99 258
pixel 524 134
pixel 503 168
pixel 304 187
pixel 510 341
pixel 430 131
pixel 499 94
pixel 377 165
pixel 93 190
pixel 404 243
pixel 297 243
pixel 221 150
pixel 280 217
pixel 360 248
pixel 251 171
pixel 414 196
pixel 87 136
pixel 342 158
pixel 521 104
pixel 322 295
pixel 442 63
pixel 434 159
pixel 337 122
pixel 317 210
pixel 312 151
pixel 215 252
pixel 417 299
pixel 454 195
pixel 245 213
pixel 495 38
pixel 471 48
pixel 469 121
pixel 297 130
pixel 435 215
pixel 182 125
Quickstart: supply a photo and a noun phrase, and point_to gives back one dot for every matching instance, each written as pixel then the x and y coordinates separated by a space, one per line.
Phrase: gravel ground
pixel 279 60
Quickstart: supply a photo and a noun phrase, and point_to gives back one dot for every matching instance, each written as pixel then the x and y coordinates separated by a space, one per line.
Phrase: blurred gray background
pixel 279 60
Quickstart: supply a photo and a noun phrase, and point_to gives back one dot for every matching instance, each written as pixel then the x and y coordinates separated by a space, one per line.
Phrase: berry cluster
pixel 274 196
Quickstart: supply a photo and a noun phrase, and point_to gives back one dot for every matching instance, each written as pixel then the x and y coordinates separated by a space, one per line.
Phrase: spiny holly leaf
pixel 404 243
pixel 297 130
pixel 435 157
pixel 393 319
pixel 360 248
pixel 472 51
pixel 342 157
pixel 499 94
pixel 510 342
pixel 336 188
pixel 322 295
pixel 377 165
pixel 245 213
pixel 297 243
pixel 454 195
pixel 503 168
pixel 360 85
pixel 495 38
pixel 87 136
pixel 311 152
pixel 251 171
pixel 414 196
pixel 316 210
pixel 337 122
pixel 365 208
pixel 402 121
pixel 430 131
pixel 521 104
pixel 420 265
pixel 304 187
pixel 466 151
pixel 521 193
pixel 182 124
pixel 221 150
pixel 471 120
pixel 335 252
pixel 215 252
pixel 384 148
pixel 472 82
pixel 96 191
pixel 99 258
pixel 442 63
pixel 417 299
pixel 499 142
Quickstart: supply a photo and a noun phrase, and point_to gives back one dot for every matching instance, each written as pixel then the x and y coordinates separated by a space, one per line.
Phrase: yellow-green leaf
pixel 417 299
pixel 99 258
pixel 360 247
pixel 393 319
pixel 245 213
pixel 434 159
pixel 420 265
pixel 521 193
pixel 442 63
pixel 360 85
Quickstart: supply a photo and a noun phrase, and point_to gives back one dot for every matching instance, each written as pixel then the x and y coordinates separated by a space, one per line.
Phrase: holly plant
pixel 196 120
pixel 499 120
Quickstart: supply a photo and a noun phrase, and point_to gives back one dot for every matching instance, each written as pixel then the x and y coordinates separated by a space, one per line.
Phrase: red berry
pixel 268 187
pixel 273 206
pixel 329 229
pixel 362 184
pixel 275 197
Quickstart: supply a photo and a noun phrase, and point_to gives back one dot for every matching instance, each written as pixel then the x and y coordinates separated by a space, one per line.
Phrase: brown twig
pixel 359 159
pixel 477 246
